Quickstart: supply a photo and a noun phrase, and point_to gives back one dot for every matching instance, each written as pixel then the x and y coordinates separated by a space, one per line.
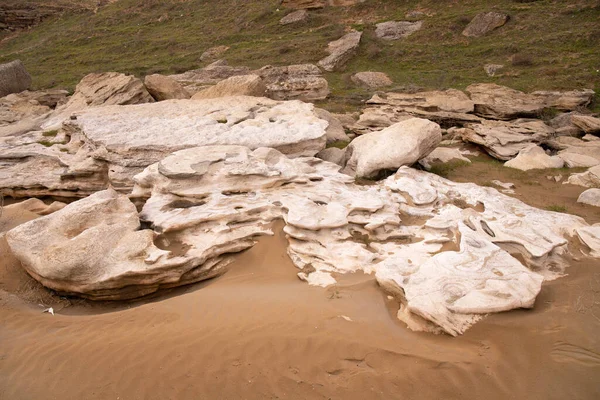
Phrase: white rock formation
pixel 534 157
pixel 444 249
pixel 590 197
pixel 395 30
pixel 404 143
pixel 108 145
pixel 590 236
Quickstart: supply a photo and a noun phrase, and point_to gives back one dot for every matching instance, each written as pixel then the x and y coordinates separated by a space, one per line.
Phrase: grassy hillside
pixel 547 44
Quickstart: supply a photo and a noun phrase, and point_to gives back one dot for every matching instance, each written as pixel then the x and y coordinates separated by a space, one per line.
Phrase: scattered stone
pixel 484 23
pixel 294 17
pixel 243 85
pixel 590 197
pixel 107 146
pixel 504 140
pixel 162 87
pixel 534 157
pixel 492 69
pixel 341 51
pixel 332 155
pixel 371 80
pixel 415 14
pixel 14 78
pixel 395 30
pixel 507 187
pixel 294 82
pixel 198 79
pixel 442 155
pixel 589 178
pixel 214 53
pixel 565 101
pixel 586 123
pixel 403 143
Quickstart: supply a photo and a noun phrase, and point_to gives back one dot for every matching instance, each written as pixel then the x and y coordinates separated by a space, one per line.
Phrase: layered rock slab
pixel 108 145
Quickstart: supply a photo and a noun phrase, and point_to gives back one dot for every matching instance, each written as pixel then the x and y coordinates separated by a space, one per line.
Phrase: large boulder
pixel 162 87
pixel 534 157
pixel 371 80
pixel 500 102
pixel 243 85
pixel 403 143
pixel 590 197
pixel 204 203
pixel 586 123
pixel 107 146
pixel 484 23
pixel 341 51
pixel 14 78
pixel 294 82
pixel 395 30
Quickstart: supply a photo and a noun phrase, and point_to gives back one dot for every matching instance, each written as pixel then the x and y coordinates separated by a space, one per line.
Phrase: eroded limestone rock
pixel 395 30
pixel 341 51
pixel 164 88
pixel 534 157
pixel 241 85
pixel 14 78
pixel 484 23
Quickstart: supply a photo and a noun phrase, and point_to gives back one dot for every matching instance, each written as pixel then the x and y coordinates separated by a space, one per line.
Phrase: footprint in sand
pixel 570 353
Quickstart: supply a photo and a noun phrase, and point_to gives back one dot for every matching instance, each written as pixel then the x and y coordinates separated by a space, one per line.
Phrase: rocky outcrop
pixel 214 53
pixel 101 89
pixel 335 130
pixel 303 4
pixel 504 140
pixel 484 23
pixel 443 155
pixel 403 143
pixel 243 85
pixel 107 146
pixel 589 178
pixel 14 78
pixel 294 17
pixel 448 270
pixel 590 197
pixel 26 111
pixel 395 30
pixel 590 236
pixel 534 157
pixel 499 102
pixel 371 80
pixel 162 87
pixel 294 82
pixel 574 160
pixel 341 51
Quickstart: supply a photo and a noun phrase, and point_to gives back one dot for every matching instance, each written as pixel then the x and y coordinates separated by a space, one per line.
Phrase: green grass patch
pixel 556 208
pixel 338 144
pixel 444 170
pixel 52 133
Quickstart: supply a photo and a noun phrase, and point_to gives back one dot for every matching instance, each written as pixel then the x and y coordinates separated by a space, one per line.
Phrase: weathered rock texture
pixel 108 145
pixel 590 197
pixel 26 111
pixel 395 30
pixel 484 23
pixel 448 270
pixel 302 4
pixel 443 155
pixel 294 82
pixel 341 51
pixel 586 123
pixel 214 53
pixel 589 178
pixel 403 143
pixel 294 17
pixel 162 87
pixel 14 78
pixel 242 85
pixel 195 80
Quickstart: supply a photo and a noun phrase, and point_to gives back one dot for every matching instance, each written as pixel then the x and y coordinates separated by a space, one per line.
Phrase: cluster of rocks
pixel 211 172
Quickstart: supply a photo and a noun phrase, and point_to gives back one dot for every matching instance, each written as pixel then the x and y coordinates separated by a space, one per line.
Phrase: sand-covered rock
pixel 242 85
pixel 534 157
pixel 162 87
pixel 14 78
pixel 341 51
pixel 403 143
pixel 108 145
